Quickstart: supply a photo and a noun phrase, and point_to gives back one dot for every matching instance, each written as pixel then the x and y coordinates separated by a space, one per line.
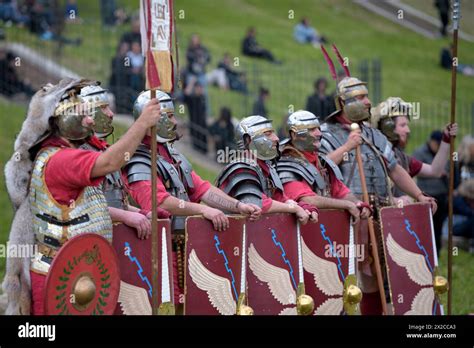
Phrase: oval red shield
pixel 83 279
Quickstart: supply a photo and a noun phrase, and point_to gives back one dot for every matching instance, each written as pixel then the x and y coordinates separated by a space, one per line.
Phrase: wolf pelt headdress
pixel 17 283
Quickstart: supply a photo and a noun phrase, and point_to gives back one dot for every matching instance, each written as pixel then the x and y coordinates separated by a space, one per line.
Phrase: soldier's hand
pixel 151 113
pixel 302 215
pixel 429 200
pixel 313 216
pixel 354 140
pixel 451 130
pixel 354 211
pixel 139 222
pixel 218 218
pixel 251 210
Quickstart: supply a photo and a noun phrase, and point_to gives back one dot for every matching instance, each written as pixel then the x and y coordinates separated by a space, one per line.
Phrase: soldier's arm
pixel 404 181
pixel 291 207
pixel 218 199
pixel 436 168
pixel 352 142
pixel 117 155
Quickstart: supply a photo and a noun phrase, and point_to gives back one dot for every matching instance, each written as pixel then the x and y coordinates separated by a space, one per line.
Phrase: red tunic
pixel 141 190
pixel 299 189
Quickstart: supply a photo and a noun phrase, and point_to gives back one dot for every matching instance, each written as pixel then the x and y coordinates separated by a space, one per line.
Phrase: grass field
pixel 410 69
pixel 410 61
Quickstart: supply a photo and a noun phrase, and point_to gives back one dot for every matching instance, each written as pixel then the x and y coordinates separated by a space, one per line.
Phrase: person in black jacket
pixel 320 103
pixel 251 48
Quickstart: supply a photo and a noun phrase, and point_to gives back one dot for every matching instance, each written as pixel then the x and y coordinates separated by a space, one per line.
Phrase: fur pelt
pixel 17 283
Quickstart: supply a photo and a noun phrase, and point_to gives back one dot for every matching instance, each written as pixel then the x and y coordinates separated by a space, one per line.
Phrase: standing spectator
pixel 259 107
pixel 464 167
pixel 443 9
pixel 251 48
pixel 304 34
pixel 133 35
pixel 319 103
pixel 197 57
pixel 463 209
pixel 107 12
pixel 120 80
pixel 136 62
pixel 435 187
pixel 196 104
pixel 223 130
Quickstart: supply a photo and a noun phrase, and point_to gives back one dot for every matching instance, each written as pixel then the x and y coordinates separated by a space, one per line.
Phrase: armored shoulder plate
pixel 335 169
pixel 334 136
pixel 247 186
pixel 382 144
pixel 291 168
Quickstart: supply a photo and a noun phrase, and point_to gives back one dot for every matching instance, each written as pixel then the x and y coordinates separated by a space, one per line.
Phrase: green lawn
pixel 410 61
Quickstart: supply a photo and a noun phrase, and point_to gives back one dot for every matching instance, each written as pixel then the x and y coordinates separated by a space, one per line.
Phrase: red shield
pixel 135 263
pixel 83 278
pixel 411 259
pixel 213 267
pixel 273 270
pixel 325 247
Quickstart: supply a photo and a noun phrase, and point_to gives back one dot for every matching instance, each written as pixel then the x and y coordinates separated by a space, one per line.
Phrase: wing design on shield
pixel 332 306
pixel 325 273
pixel 134 300
pixel 414 263
pixel 218 288
pixel 422 304
pixel 277 279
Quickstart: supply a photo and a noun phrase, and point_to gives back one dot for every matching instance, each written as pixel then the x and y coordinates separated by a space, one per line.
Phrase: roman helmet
pixel 300 122
pixel 383 116
pixel 165 129
pixel 255 127
pixel 346 99
pixel 96 99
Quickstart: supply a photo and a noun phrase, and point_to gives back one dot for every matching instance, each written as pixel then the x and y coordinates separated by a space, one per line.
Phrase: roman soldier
pixel 114 186
pixel 179 188
pixel 339 143
pixel 310 177
pixel 64 198
pixel 392 117
pixel 253 178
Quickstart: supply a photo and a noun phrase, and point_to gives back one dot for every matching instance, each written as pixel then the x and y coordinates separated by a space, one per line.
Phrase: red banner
pixel 156 27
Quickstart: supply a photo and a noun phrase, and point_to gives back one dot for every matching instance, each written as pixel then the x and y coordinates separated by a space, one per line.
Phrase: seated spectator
pixel 446 61
pixel 9 12
pixel 71 12
pixel 120 80
pixel 137 81
pixel 251 48
pixel 464 166
pixel 304 34
pixel 259 107
pixel 222 130
pixel 226 77
pixel 283 130
pixel 10 83
pixel 196 104
pixel 463 214
pixel 320 103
